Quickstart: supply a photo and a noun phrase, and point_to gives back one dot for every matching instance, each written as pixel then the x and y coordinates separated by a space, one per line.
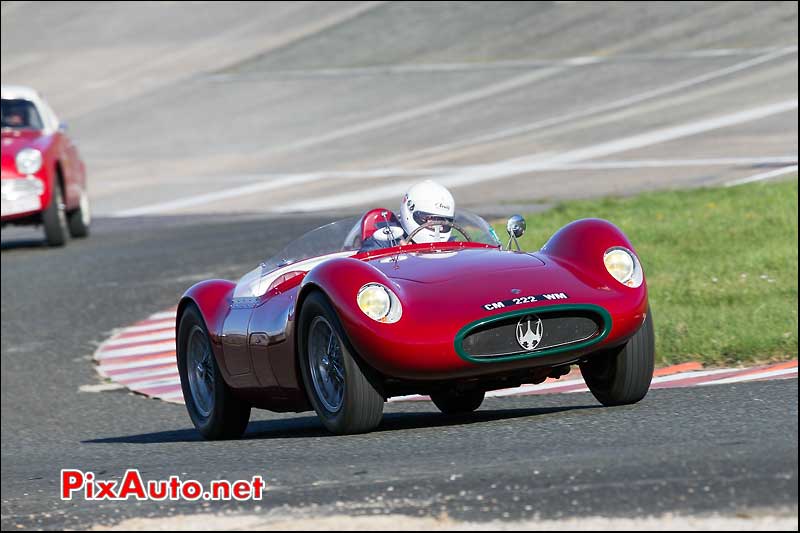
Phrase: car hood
pixel 15 140
pixel 444 266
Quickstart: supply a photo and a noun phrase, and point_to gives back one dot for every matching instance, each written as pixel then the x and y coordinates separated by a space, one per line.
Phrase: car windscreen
pixel 20 114
pixel 344 236
pixel 339 236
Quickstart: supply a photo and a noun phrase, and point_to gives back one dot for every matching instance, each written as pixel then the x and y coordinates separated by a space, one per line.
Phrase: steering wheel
pixel 431 224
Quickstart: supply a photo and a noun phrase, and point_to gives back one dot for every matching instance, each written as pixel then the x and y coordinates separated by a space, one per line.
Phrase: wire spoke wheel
pixel 345 400
pixel 326 364
pixel 200 369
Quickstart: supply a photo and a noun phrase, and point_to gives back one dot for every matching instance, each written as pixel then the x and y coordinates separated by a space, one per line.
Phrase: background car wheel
pixel 451 403
pixel 80 218
pixel 623 375
pixel 215 411
pixel 340 393
pixel 54 219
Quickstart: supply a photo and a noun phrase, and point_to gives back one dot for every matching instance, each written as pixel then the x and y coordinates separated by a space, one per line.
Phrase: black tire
pixel 228 415
pixel 453 403
pixel 361 406
pixel 622 376
pixel 79 219
pixel 54 219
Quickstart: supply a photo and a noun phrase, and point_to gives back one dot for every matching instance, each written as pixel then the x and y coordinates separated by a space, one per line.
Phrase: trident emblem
pixel 529 336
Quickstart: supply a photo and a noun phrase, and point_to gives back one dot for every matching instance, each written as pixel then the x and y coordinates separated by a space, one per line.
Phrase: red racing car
pixel 43 176
pixel 331 325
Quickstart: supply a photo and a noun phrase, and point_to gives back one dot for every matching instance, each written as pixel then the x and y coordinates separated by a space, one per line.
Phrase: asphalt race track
pixel 720 448
pixel 203 164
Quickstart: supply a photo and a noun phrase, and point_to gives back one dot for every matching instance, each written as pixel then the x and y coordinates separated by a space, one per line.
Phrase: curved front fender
pixel 213 299
pixel 580 247
pixel 340 280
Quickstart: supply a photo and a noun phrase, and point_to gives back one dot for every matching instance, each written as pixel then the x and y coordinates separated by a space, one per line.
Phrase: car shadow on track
pixel 310 426
pixel 23 243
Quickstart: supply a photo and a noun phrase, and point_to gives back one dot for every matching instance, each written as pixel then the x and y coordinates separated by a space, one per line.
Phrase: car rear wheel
pixel 80 218
pixel 214 409
pixel 623 375
pixel 344 399
pixel 452 403
pixel 54 219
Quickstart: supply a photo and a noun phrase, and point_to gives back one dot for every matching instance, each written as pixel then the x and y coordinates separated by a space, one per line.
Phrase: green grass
pixel 721 266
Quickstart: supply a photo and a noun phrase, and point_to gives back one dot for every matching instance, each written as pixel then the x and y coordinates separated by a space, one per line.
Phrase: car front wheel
pixel 54 219
pixel 80 218
pixel 344 399
pixel 214 409
pixel 623 375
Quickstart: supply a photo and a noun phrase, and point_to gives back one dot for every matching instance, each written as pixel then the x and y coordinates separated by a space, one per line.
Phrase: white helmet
pixel 425 202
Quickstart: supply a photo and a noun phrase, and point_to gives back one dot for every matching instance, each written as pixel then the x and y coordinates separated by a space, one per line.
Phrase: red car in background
pixel 43 176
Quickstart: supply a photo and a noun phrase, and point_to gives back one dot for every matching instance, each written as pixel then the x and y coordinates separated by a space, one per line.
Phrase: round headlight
pixel 379 303
pixel 29 161
pixel 623 266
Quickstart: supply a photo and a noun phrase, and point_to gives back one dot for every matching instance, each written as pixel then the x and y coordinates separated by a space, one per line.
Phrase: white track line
pixel 148 384
pixel 751 377
pixel 105 355
pixel 128 376
pixel 673 163
pixel 450 169
pixel 424 68
pixel 159 361
pixel 573 382
pixel 474 95
pixel 602 108
pixel 763 176
pixel 511 167
pixel 173 397
pixel 150 327
pixel 493 65
pixel 691 375
pixel 133 339
pixel 447 103
pixel 216 196
pixel 164 315
pixel 275 181
pixel 531 388
pixel 515 82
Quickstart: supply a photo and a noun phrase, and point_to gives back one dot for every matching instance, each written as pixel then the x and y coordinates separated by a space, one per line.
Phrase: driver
pixel 425 202
pixel 13 118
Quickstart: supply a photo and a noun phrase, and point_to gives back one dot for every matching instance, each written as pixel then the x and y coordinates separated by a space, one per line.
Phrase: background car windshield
pixel 20 114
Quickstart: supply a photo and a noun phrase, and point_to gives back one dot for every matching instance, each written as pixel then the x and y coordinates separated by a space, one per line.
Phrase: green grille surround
pixel 463 332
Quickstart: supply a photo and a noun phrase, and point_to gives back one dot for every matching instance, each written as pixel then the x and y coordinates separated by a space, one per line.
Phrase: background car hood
pixel 15 140
pixel 437 267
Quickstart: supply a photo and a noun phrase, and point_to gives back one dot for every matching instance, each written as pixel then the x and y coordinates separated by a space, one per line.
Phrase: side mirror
pixel 516 226
pixel 516 229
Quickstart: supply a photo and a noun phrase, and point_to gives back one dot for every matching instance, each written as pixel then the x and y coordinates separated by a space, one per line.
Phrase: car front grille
pixel 531 333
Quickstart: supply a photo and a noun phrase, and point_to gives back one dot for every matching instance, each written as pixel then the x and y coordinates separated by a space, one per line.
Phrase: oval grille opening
pixel 531 333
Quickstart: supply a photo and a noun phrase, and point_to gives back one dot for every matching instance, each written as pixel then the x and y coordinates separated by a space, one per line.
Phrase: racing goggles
pixel 421 217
